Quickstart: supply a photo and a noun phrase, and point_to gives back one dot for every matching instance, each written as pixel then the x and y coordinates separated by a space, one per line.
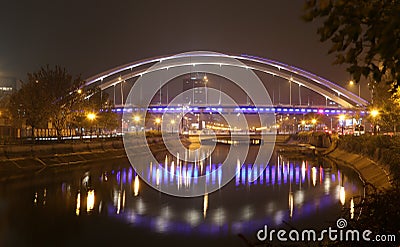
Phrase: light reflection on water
pixel 285 190
pixel 309 189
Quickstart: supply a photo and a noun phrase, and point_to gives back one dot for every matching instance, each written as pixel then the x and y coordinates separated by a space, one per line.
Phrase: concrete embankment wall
pixel 370 171
pixel 19 151
pixel 17 161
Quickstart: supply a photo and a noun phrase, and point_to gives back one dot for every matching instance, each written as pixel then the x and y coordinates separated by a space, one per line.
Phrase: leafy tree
pixel 31 103
pixel 5 115
pixel 52 94
pixel 48 94
pixel 364 34
pixel 97 102
pixel 389 111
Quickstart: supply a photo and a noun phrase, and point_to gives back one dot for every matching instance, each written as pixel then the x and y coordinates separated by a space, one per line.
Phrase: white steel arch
pixel 320 85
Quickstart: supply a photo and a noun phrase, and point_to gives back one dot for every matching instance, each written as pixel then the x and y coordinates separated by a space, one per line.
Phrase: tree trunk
pixel 33 134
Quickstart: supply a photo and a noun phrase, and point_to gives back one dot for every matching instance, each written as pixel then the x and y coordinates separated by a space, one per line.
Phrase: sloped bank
pixel 372 172
pixel 375 158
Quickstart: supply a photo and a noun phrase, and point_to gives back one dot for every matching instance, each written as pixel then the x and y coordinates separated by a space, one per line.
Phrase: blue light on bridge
pixel 245 110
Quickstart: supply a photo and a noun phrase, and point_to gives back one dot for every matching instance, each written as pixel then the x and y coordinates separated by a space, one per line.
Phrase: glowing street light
pixel 374 114
pixel 303 123
pixel 314 121
pixel 91 117
pixel 172 125
pixel 341 120
pixel 79 91
pixel 136 119
pixel 158 122
pixel 351 83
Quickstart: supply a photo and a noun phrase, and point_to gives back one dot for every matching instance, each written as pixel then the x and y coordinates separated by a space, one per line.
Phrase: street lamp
pixel 314 121
pixel 351 83
pixel 136 119
pixel 374 113
pixel 91 117
pixel 158 122
pixel 172 125
pixel 341 120
pixel 303 123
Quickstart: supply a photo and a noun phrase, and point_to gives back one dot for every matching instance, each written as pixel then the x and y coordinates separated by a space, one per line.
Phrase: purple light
pixel 243 175
pixel 273 174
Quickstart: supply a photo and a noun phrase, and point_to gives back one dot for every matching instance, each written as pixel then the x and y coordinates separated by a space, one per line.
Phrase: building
pixel 196 82
pixel 8 85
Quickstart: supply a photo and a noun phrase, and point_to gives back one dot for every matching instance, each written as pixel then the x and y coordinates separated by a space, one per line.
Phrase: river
pixel 108 204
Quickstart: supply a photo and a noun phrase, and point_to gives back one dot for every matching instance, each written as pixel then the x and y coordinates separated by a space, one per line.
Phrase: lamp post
pixel 351 83
pixel 341 120
pixel 136 119
pixel 91 117
pixel 314 122
pixel 374 114
pixel 158 122
pixel 172 125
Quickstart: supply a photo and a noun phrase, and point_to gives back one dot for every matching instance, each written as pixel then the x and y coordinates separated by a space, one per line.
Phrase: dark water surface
pixel 107 204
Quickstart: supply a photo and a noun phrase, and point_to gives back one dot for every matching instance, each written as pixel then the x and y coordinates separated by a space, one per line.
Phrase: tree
pixel 364 34
pixel 96 102
pixel 49 94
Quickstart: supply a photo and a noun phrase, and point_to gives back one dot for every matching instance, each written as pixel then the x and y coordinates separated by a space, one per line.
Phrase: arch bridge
pixel 328 89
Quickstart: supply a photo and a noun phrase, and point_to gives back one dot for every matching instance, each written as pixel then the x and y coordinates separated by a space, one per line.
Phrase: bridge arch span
pixel 322 86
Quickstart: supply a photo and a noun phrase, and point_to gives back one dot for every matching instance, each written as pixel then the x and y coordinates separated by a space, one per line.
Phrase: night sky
pixel 88 37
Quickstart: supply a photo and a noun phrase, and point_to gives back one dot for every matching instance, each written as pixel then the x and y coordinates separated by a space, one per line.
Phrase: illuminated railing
pixel 245 110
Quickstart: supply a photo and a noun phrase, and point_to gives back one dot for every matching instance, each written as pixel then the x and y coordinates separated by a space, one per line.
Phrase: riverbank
pixel 18 161
pixel 352 152
pixel 371 172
